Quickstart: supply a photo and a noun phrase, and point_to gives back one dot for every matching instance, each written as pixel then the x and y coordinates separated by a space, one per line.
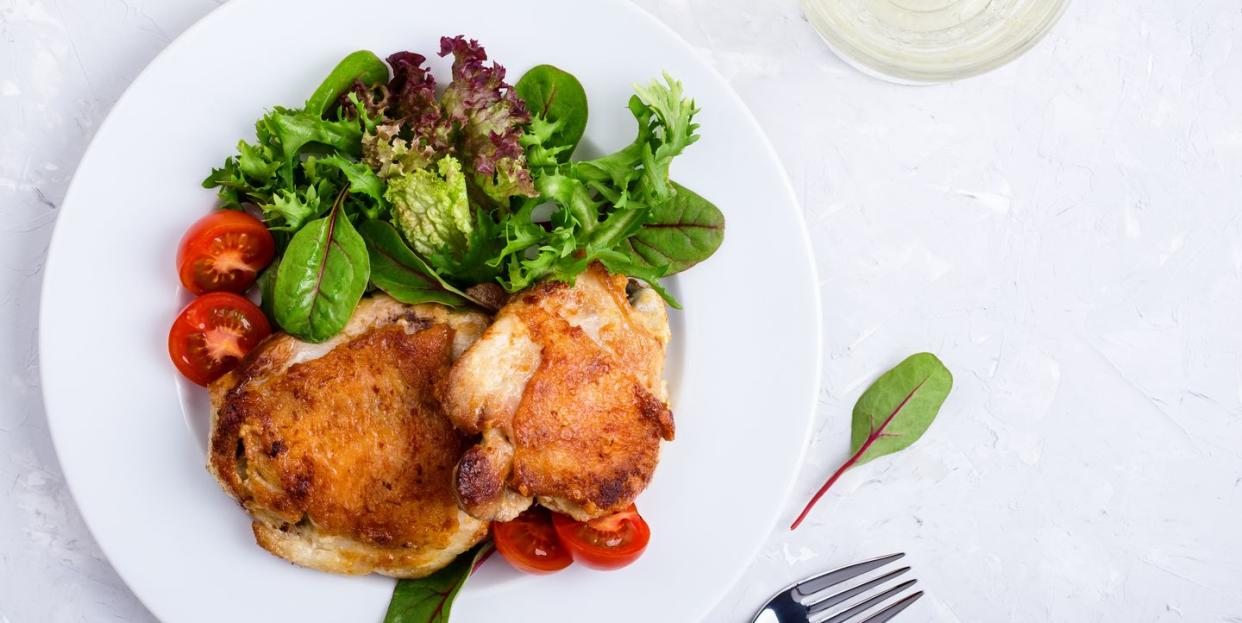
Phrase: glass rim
pixel 913 74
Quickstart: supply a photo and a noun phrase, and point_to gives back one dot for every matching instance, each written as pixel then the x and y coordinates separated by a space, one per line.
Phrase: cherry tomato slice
pixel 529 542
pixel 212 334
pixel 610 542
pixel 224 252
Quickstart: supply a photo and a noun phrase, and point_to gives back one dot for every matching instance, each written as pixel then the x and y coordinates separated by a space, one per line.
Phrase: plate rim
pixel 769 152
pixel 817 312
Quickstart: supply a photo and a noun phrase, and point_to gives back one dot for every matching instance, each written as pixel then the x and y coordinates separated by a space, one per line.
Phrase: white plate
pixel 744 368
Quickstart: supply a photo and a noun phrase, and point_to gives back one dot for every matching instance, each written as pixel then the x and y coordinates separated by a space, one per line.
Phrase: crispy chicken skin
pixel 567 391
pixel 341 451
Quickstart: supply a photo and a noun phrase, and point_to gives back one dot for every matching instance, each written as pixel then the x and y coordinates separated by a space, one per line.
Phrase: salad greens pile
pixel 382 180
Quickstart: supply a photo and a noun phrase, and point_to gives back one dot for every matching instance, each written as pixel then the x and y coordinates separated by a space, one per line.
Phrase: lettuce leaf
pixel 431 209
pixel 414 122
pixel 490 120
pixel 479 120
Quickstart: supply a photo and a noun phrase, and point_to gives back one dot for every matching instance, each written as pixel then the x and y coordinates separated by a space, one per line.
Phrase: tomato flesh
pixel 213 333
pixel 224 252
pixel 610 542
pixel 529 542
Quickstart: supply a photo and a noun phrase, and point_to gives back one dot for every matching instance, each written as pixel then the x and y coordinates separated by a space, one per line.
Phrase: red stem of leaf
pixel 435 614
pixel 875 434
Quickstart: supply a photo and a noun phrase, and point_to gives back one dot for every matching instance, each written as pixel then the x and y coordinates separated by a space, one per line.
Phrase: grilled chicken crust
pixel 341 451
pixel 566 389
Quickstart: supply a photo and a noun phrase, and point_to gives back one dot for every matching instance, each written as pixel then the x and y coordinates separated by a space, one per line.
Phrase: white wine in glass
pixel 923 41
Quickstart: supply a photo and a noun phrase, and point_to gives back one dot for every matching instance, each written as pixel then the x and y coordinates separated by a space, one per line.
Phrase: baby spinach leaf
pixel 361 66
pixel 321 277
pixel 897 409
pixel 892 414
pixel 430 599
pixel 556 97
pixel 400 272
pixel 678 233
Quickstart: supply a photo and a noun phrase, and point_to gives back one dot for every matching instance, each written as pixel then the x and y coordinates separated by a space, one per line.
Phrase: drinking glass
pixel 927 41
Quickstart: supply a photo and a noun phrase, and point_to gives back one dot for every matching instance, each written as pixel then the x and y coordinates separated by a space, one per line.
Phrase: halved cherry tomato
pixel 610 542
pixel 212 334
pixel 529 542
pixel 224 252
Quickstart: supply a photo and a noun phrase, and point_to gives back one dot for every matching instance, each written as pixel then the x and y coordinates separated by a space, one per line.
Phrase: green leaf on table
pixel 678 233
pixel 321 278
pixel 430 599
pixel 400 272
pixel 892 414
pixel 899 406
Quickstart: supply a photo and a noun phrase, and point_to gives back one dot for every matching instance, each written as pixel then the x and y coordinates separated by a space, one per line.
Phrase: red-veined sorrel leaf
pixel 430 599
pixel 892 414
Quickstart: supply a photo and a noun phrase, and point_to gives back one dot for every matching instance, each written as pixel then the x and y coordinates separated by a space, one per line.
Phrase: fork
pixel 810 601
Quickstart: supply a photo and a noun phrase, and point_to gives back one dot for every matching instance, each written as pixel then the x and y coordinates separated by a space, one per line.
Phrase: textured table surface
pixel 1064 232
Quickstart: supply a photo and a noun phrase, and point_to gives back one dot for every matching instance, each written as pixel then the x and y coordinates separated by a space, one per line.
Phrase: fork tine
pixel 832 600
pixel 820 582
pixel 870 603
pixel 894 610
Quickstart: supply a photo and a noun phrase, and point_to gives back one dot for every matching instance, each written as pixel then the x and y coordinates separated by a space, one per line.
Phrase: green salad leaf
pixel 899 407
pixel 892 414
pixel 405 276
pixel 678 234
pixel 322 276
pixel 432 210
pixel 558 107
pixel 294 208
pixel 430 599
pixel 359 179
pixel 362 66
pixel 665 128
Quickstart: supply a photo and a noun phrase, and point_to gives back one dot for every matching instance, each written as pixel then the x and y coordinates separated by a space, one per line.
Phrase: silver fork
pixel 810 601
